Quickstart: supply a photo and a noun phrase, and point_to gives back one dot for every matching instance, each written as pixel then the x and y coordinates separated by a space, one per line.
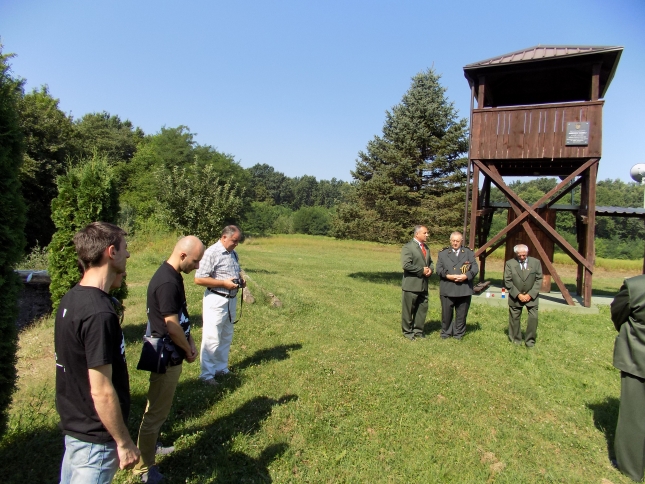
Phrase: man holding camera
pixel 219 273
pixel 167 318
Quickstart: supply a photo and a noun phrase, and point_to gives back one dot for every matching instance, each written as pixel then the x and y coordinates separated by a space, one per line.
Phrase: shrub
pixel 312 221
pixel 262 217
pixel 87 193
pixel 12 225
pixel 196 202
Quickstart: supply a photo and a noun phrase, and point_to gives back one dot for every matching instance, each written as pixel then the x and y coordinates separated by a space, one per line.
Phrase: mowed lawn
pixel 325 389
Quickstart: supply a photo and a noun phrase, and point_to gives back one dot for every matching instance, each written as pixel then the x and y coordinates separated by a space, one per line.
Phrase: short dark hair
pixel 92 241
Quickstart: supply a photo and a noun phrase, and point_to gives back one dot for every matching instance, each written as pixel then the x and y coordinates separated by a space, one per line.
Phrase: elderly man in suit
pixel 417 268
pixel 523 278
pixel 457 267
pixel 628 315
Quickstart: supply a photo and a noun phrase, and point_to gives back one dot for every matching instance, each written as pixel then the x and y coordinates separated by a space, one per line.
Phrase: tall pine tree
pixel 413 173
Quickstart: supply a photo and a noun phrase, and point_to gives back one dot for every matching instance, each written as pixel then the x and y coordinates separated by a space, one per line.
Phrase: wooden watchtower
pixel 539 113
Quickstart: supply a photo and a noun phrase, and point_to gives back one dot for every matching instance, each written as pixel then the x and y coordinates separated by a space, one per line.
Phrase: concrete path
pixel 552 301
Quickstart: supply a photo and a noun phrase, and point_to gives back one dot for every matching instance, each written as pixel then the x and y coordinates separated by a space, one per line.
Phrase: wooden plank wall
pixel 534 132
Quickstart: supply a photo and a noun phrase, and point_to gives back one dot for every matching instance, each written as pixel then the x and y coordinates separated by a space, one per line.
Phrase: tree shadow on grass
pixel 390 278
pixel 258 271
pixel 605 418
pixel 210 458
pixel 33 456
pixel 133 332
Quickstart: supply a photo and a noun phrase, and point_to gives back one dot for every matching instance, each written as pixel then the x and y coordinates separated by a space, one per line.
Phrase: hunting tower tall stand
pixel 539 113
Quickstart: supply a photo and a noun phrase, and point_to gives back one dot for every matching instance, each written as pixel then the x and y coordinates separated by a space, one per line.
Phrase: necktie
pixel 423 249
pixel 523 266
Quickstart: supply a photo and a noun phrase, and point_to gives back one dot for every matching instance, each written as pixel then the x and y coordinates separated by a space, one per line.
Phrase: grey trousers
pixel 455 327
pixel 414 308
pixel 515 328
pixel 629 443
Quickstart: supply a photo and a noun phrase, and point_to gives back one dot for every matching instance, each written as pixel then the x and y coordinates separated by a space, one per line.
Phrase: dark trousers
pixel 515 329
pixel 629 443
pixel 459 306
pixel 414 308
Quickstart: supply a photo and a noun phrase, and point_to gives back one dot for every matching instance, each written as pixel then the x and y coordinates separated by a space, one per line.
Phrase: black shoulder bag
pixel 157 353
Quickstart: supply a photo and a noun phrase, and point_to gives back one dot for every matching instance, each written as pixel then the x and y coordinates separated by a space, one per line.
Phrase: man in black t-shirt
pixel 92 388
pixel 167 316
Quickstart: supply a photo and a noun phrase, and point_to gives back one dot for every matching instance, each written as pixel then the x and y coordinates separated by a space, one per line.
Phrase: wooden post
pixel 483 233
pixel 474 208
pixel 595 82
pixel 591 232
pixel 481 92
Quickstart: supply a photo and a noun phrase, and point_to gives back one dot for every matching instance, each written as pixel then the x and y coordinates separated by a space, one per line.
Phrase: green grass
pixel 325 389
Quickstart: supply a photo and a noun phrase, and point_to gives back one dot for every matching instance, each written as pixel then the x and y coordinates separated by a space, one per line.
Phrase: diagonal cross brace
pixel 543 255
pixel 530 210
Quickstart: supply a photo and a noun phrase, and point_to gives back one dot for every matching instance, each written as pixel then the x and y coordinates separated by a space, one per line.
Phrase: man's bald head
pixel 188 244
pixel 188 252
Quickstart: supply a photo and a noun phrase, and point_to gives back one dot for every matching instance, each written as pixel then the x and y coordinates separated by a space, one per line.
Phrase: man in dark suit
pixel 522 278
pixel 417 268
pixel 457 267
pixel 628 315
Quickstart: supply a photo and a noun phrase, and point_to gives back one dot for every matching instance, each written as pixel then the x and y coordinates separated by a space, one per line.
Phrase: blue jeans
pixel 88 463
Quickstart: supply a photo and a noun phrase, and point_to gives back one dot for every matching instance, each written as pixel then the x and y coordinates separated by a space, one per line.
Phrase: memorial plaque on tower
pixel 577 134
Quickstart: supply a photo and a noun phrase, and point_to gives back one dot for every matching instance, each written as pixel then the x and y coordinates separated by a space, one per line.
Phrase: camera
pixel 238 282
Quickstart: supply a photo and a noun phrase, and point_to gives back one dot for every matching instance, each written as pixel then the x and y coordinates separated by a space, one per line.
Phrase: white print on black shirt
pixel 123 346
pixel 184 322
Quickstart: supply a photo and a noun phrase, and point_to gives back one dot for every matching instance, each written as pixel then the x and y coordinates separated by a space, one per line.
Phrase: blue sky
pixel 302 85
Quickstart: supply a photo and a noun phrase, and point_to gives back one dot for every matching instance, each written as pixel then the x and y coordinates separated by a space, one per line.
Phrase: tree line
pixel 165 179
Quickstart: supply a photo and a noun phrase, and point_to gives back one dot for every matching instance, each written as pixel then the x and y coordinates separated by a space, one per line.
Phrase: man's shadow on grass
pixel 390 278
pixel 605 418
pixel 193 398
pixel 435 327
pixel 210 457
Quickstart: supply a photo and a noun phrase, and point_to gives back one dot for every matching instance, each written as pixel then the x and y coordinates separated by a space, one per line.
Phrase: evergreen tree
pixel 87 193
pixel 413 173
pixel 12 223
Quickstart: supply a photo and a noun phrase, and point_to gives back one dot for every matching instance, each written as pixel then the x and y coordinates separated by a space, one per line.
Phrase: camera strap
pixel 241 307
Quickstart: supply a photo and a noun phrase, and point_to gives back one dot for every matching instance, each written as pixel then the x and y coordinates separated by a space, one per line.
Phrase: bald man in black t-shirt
pixel 167 316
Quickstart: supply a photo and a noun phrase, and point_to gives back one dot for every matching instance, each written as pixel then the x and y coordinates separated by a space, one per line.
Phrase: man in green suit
pixel 628 315
pixel 417 268
pixel 523 278
pixel 456 267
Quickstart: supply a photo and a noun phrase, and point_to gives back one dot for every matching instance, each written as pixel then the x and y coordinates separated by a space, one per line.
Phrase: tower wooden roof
pixel 544 74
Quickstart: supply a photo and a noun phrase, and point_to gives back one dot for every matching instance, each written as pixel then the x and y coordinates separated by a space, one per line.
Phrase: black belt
pixel 227 296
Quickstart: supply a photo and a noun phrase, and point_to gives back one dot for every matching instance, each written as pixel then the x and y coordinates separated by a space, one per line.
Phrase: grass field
pixel 325 389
